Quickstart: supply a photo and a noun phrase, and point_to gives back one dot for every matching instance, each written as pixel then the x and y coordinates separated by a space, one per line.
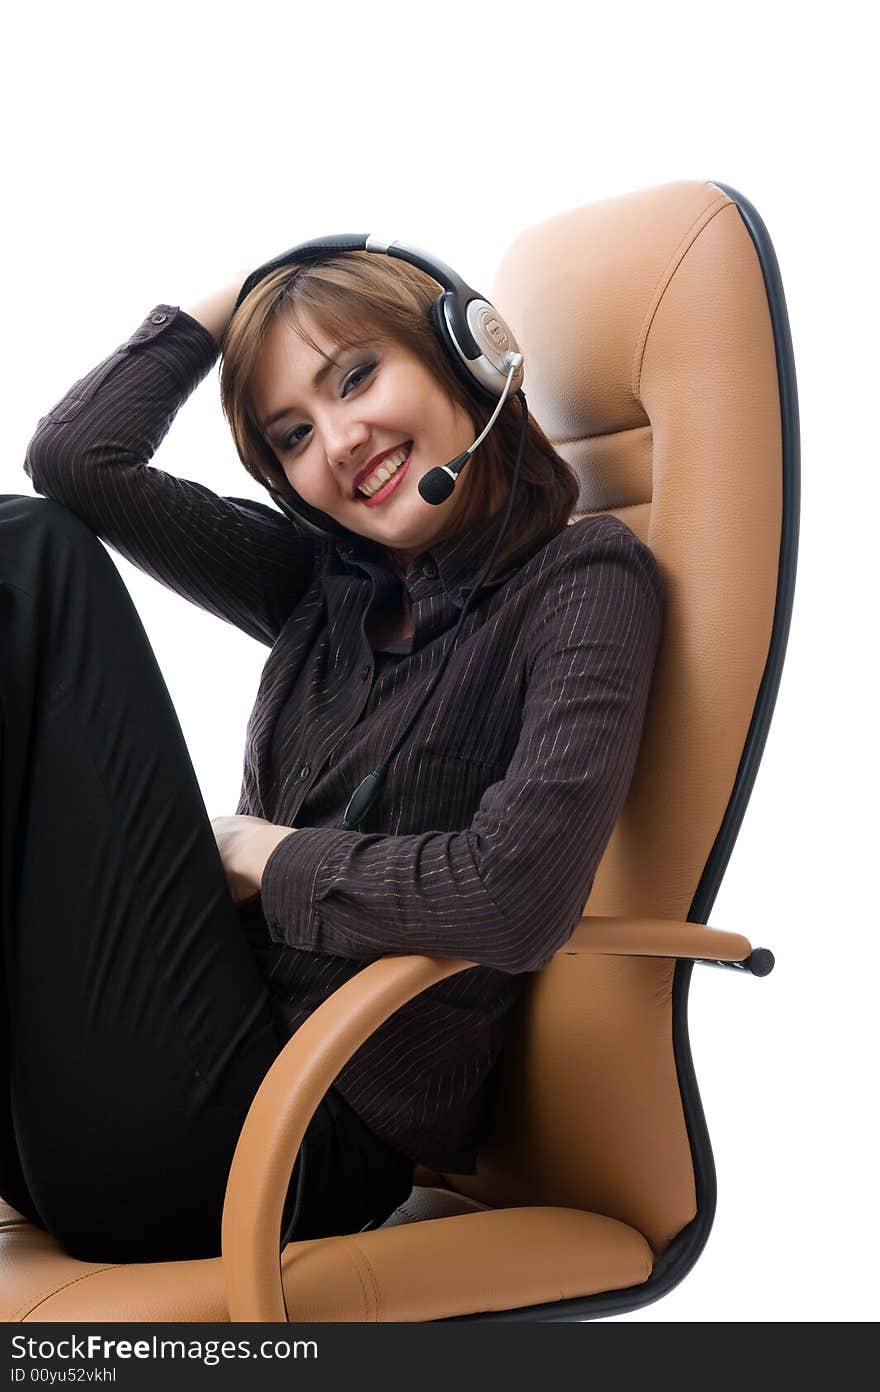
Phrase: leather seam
pixel 377 1300
pixel 668 274
pixel 22 1311
pixel 643 426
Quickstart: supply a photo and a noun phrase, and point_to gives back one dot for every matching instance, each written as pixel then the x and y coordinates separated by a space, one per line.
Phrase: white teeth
pixel 383 473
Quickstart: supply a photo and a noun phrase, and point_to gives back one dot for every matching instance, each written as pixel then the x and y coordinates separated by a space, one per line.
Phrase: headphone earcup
pixel 460 364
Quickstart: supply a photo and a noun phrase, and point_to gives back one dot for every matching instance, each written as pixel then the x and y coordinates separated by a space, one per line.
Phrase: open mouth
pixel 388 487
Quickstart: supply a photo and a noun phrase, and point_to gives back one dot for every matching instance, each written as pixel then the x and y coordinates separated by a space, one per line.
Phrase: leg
pixel 139 1027
pixel 353 1179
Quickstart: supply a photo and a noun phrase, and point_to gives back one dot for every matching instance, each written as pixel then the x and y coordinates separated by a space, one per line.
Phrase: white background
pixel 158 149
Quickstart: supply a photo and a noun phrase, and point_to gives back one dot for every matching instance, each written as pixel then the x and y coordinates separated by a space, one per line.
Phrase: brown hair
pixel 361 294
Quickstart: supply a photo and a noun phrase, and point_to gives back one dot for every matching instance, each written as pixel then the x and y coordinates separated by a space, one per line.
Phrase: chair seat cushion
pixel 437 1256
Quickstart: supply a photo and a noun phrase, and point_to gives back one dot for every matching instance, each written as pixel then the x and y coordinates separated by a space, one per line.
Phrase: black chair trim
pixel 720 854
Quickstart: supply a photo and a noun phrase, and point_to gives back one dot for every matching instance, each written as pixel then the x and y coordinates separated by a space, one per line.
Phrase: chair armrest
pixel 666 937
pixel 291 1091
pixel 279 1115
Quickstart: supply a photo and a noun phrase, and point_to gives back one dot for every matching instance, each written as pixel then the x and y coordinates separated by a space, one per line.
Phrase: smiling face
pixel 339 416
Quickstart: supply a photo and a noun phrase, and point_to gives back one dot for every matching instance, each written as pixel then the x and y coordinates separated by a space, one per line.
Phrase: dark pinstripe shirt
pixel 495 812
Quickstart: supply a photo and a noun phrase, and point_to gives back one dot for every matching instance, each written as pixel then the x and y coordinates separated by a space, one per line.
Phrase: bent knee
pixel 30 511
pixel 38 534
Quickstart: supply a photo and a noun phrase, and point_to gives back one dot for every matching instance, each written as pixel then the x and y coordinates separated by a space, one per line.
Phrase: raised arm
pixel 214 311
pixel 239 559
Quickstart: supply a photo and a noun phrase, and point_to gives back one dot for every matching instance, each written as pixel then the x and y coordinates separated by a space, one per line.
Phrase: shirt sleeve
pixel 508 891
pixel 240 560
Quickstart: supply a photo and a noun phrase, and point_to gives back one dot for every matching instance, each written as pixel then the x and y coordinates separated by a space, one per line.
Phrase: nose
pixel 346 446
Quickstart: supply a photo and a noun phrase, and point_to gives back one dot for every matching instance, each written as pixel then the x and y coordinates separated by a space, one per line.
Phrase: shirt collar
pixel 452 564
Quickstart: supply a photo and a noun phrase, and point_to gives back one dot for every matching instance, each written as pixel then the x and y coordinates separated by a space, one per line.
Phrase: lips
pixel 388 487
pixel 374 464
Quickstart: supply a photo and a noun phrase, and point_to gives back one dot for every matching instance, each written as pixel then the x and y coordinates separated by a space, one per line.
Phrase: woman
pixel 156 962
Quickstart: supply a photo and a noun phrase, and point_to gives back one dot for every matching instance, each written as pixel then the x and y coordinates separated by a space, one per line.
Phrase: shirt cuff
pixel 198 333
pixel 289 886
pixel 169 332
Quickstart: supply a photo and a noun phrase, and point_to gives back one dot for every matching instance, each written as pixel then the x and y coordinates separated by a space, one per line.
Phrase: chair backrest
pixel 658 363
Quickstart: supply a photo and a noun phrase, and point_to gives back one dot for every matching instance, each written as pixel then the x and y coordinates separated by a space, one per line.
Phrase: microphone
pixel 437 485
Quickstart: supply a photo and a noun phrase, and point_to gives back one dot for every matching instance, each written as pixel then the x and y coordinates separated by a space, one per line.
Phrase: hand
pixel 214 310
pixel 245 844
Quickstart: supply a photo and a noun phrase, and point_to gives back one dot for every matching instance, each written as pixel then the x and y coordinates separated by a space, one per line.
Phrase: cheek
pixel 407 398
pixel 313 483
pixel 301 478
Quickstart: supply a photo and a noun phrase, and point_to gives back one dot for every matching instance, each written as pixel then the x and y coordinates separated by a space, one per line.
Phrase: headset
pixel 487 358
pixel 476 339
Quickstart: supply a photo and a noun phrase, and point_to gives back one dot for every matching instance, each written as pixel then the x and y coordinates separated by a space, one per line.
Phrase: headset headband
pixel 474 335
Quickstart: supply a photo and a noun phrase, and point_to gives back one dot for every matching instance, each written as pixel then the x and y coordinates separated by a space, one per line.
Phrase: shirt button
pixel 158 318
pixel 365 671
pixel 305 771
pixel 429 571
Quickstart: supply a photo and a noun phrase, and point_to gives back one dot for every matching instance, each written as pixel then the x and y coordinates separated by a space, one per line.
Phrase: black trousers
pixel 135 1025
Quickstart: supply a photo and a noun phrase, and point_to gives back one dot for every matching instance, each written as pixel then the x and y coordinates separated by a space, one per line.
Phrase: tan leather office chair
pixel 659 362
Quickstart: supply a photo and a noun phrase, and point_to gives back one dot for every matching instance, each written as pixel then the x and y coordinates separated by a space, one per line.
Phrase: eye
pixel 359 372
pixel 291 440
